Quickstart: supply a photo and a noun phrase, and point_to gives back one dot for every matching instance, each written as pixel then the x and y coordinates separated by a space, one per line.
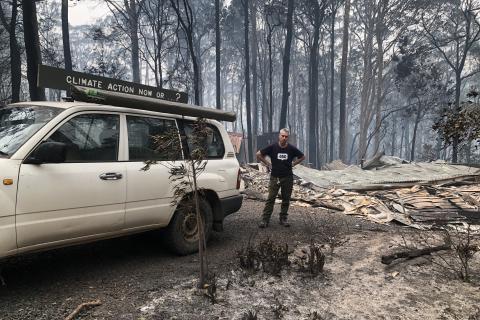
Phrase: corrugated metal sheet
pixel 354 177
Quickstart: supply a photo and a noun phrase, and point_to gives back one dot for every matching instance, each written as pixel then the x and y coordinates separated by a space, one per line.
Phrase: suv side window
pixel 141 141
pixel 214 143
pixel 90 138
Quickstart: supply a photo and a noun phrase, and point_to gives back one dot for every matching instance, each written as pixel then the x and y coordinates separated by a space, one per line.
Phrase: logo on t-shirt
pixel 282 156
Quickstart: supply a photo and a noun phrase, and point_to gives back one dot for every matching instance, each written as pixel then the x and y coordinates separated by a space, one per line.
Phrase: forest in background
pixel 350 78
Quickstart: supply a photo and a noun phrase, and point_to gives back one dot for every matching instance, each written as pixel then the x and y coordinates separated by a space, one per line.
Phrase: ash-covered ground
pixel 136 278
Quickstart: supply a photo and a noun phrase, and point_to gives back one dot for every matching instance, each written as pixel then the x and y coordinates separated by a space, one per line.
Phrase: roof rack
pixel 118 99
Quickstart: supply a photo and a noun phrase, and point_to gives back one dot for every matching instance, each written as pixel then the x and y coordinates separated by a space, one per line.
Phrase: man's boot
pixel 284 222
pixel 263 224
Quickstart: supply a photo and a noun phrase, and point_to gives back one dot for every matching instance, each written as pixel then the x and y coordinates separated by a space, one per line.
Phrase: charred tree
pixel 217 55
pixel 342 126
pixel 15 58
pixel 286 64
pixel 247 83
pixel 270 76
pixel 332 80
pixel 67 56
pixel 253 15
pixel 32 49
pixel 318 14
pixel 186 20
pixel 130 13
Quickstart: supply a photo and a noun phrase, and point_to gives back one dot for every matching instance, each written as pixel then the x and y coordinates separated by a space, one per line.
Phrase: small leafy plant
pixel 184 175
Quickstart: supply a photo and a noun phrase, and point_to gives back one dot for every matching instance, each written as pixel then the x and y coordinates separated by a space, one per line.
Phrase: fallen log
pixel 72 315
pixel 410 254
pixel 374 162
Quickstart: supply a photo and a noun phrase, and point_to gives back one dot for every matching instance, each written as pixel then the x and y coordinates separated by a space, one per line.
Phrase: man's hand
pixel 297 161
pixel 264 161
pixel 269 166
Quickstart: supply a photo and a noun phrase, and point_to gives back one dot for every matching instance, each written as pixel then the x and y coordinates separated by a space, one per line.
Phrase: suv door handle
pixel 111 176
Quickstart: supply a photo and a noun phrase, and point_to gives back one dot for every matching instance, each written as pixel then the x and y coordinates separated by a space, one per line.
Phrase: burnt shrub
pixel 267 256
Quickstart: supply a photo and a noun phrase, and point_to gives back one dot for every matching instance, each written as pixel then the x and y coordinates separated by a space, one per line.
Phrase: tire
pixel 182 232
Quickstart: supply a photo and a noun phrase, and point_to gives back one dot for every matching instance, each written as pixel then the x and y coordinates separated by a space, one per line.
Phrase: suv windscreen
pixel 19 123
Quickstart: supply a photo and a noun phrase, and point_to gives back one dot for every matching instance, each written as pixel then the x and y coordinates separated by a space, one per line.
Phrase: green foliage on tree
pixel 464 125
pixel 107 62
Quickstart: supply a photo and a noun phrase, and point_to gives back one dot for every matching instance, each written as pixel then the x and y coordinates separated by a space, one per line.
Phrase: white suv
pixel 71 173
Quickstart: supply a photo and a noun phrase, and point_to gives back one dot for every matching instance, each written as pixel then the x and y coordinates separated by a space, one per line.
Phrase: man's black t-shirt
pixel 281 158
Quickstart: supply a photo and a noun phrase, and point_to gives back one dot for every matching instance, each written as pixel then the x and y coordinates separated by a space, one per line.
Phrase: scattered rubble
pixel 334 165
pixel 414 194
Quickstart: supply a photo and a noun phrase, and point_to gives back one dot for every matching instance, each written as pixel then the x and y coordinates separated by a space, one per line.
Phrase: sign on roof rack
pixel 56 78
pixel 145 103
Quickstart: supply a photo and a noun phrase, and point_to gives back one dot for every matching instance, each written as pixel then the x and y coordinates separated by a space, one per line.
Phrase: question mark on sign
pixel 178 96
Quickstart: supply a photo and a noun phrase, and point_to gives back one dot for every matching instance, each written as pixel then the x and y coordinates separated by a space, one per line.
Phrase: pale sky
pixel 86 12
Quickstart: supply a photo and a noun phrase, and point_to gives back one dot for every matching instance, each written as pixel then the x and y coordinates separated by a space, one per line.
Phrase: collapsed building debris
pixel 389 174
pixel 414 194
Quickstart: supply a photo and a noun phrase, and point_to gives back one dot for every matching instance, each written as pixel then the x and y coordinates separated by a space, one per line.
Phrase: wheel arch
pixel 214 201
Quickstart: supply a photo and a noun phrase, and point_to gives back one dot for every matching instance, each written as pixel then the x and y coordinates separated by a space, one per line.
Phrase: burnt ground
pixel 137 278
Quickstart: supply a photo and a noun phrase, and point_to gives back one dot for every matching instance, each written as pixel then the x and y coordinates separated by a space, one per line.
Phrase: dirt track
pixel 135 278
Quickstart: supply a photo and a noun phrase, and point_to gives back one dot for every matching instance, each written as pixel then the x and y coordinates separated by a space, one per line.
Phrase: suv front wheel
pixel 182 232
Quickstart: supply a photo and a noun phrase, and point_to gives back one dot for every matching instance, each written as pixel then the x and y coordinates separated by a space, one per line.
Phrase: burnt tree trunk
pixel 32 49
pixel 286 65
pixel 413 253
pixel 332 83
pixel 217 54
pixel 67 56
pixel 270 79
pixel 133 29
pixel 15 58
pixel 187 27
pixel 313 88
pixel 253 14
pixel 342 126
pixel 418 117
pixel 247 84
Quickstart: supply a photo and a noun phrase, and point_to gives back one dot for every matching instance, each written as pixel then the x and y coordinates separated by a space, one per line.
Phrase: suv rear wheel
pixel 182 232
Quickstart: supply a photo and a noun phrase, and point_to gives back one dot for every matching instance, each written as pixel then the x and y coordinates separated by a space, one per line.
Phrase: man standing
pixel 282 155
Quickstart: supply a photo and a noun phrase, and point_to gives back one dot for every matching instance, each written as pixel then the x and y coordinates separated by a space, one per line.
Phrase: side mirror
pixel 48 152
